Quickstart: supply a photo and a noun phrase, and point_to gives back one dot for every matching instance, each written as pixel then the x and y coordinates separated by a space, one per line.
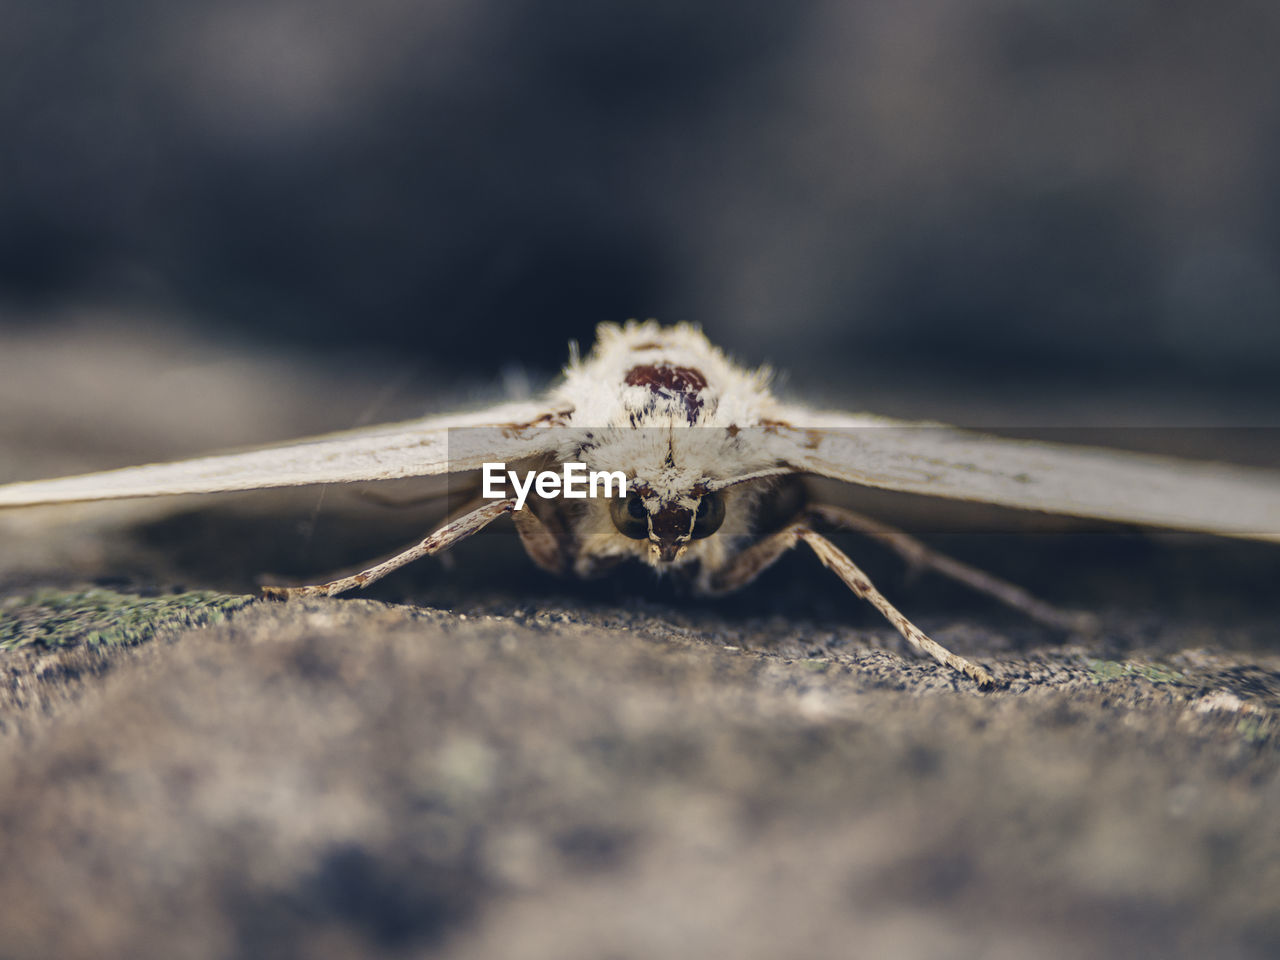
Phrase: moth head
pixel 678 484
pixel 668 524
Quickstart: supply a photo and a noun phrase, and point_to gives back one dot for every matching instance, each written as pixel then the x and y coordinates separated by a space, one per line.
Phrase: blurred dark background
pixel 996 195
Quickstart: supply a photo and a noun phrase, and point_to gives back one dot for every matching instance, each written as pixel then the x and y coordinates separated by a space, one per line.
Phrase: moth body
pixel 671 412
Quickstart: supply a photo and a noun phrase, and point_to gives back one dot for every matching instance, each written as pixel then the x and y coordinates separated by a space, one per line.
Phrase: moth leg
pixel 917 554
pixel 747 565
pixel 543 538
pixel 857 581
pixel 443 538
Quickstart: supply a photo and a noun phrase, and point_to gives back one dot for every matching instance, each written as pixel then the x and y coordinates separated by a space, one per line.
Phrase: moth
pixel 719 477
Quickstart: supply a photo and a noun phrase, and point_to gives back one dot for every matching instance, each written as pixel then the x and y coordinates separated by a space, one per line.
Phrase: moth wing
pixel 414 448
pixel 941 461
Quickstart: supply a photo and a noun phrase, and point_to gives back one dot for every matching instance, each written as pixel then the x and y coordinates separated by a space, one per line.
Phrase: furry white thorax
pixel 651 435
pixel 667 449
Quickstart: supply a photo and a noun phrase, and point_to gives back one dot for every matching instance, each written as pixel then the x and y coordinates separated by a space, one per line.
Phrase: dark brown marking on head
pixel 671 525
pixel 733 429
pixel 663 376
pixel 648 345
pixel 683 383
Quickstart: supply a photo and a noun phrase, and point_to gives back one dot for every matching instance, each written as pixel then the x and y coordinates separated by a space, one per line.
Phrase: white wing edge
pixel 1093 482
pixel 415 448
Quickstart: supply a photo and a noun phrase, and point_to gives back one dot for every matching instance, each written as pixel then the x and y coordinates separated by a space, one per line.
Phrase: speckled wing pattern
pixel 415 448
pixel 940 461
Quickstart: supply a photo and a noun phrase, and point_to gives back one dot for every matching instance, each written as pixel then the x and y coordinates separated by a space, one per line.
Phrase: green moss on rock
pixel 59 619
pixel 1104 671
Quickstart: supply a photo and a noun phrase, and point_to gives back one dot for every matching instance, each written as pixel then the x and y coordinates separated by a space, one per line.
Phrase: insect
pixel 719 477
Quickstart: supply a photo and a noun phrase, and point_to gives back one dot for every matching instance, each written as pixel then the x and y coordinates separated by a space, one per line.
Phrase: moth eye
pixel 630 517
pixel 709 516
